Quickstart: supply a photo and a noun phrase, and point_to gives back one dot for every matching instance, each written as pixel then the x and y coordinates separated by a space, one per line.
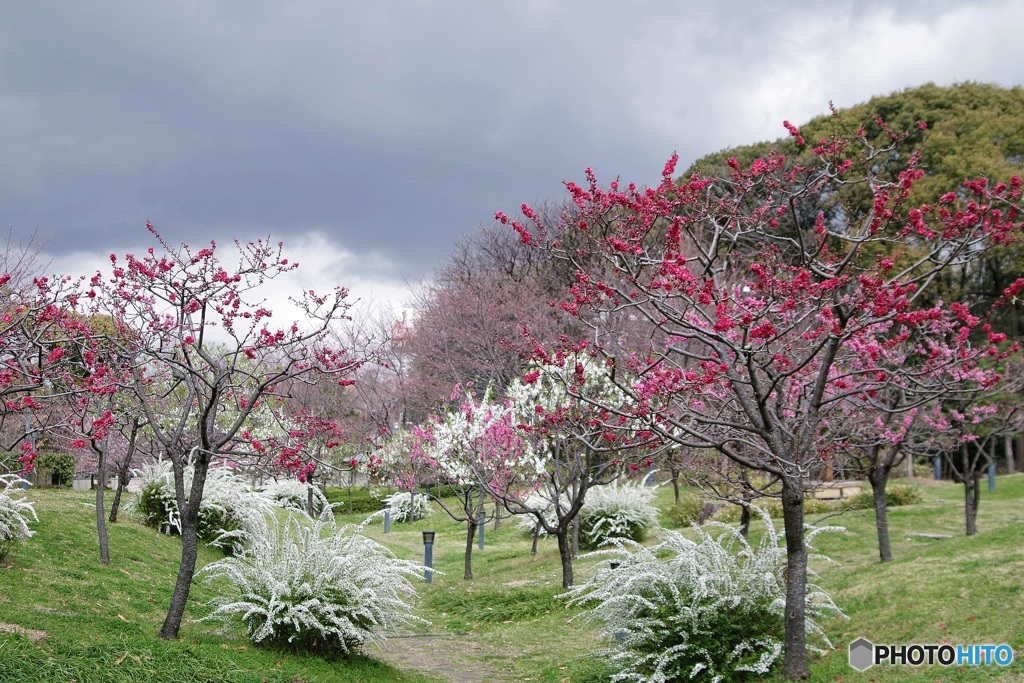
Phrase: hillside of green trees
pixel 972 130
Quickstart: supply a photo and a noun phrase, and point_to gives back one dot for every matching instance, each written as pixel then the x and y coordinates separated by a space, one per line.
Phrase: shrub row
pixel 689 507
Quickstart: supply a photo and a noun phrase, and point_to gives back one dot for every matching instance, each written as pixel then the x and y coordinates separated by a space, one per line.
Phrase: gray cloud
pixel 390 128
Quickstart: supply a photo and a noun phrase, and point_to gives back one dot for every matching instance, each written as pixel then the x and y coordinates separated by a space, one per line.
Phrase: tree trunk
pixel 536 537
pixel 117 501
pixel 795 658
pixel 101 522
pixel 745 514
pixel 187 569
pixel 470 533
pixel 675 484
pixel 576 536
pixel 878 478
pixel 309 496
pixel 565 552
pixel 1011 466
pixel 189 520
pixel 970 503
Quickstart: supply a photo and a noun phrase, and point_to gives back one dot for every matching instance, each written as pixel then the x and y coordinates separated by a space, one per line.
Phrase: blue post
pixel 480 525
pixel 387 518
pixel 937 465
pixel 649 479
pixel 992 476
pixel 428 555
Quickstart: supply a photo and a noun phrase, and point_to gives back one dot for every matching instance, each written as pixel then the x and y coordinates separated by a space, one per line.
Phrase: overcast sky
pixel 368 136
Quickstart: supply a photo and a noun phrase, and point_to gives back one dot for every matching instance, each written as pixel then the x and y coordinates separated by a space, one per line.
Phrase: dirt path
pixel 453 657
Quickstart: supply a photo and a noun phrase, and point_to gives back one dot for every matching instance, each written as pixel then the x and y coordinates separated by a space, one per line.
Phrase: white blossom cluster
pixel 544 505
pixel 292 494
pixel 670 617
pixel 548 393
pixel 479 442
pixel 15 514
pixel 227 497
pixel 405 507
pixel 306 583
pixel 614 511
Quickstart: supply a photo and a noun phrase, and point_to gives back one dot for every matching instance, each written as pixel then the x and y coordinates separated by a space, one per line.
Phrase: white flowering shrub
pixel 306 584
pixel 408 508
pixel 711 609
pixel 536 501
pixel 227 500
pixel 15 514
pixel 614 511
pixel 292 494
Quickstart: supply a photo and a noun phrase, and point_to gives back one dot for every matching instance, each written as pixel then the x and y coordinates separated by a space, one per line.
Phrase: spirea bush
pixel 292 494
pixel 227 500
pixel 305 584
pixel 529 523
pixel 405 507
pixel 15 514
pixel 709 610
pixel 614 511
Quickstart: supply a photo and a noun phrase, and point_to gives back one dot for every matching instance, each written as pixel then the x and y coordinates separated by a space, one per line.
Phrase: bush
pixel 227 500
pixel 307 585
pixel 292 494
pixel 895 495
pixel 615 511
pixel 712 609
pixel 687 510
pixel 61 464
pixel 529 523
pixel 362 501
pixel 404 510
pixel 15 512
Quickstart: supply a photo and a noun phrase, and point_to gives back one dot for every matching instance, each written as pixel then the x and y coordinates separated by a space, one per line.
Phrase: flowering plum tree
pixel 473 450
pixel 920 365
pixel 172 301
pixel 969 426
pixel 35 326
pixel 572 412
pixel 754 305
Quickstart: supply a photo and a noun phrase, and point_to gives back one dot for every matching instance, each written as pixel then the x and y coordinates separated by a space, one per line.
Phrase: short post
pixel 387 518
pixel 480 526
pixel 618 636
pixel 428 555
pixel 937 465
pixel 992 476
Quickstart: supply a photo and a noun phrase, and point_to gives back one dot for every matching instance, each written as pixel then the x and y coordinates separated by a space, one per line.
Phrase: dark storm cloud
pixel 387 128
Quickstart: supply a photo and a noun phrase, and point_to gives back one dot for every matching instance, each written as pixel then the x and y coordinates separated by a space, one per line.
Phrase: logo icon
pixel 862 654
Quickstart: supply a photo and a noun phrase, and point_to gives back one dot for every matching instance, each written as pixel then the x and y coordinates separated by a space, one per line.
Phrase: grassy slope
pixel 102 621
pixel 960 590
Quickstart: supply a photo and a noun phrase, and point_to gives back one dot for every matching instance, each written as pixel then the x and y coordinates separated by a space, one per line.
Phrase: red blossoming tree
pixel 757 306
pixel 188 321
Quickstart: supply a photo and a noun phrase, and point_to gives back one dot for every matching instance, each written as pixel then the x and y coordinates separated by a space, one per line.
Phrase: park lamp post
pixel 387 518
pixel 428 555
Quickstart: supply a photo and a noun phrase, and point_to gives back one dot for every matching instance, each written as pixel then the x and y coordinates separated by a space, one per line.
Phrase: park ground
pixel 65 617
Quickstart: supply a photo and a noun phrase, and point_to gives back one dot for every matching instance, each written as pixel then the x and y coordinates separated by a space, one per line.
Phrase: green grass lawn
pixel 507 623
